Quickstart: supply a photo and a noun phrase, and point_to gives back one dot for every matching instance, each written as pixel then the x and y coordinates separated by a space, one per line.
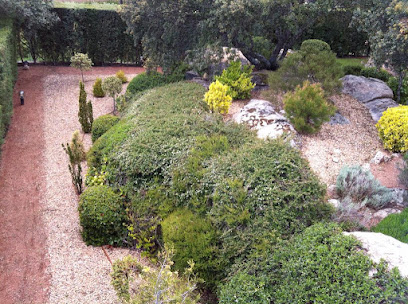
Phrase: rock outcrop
pixel 260 115
pixel 379 246
pixel 373 93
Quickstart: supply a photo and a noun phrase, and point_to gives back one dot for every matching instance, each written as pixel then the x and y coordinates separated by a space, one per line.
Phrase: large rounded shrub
pixel 103 124
pixel 145 81
pixel 392 129
pixel 102 216
pixel 193 238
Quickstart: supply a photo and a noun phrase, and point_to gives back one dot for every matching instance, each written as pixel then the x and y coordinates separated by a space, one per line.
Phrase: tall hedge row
pixel 8 73
pixel 99 33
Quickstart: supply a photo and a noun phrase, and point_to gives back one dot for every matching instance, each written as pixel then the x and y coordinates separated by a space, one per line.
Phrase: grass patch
pixel 352 61
pixel 395 225
pixel 95 6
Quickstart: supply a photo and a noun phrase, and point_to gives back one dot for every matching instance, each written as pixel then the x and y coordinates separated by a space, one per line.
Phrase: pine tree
pixel 85 113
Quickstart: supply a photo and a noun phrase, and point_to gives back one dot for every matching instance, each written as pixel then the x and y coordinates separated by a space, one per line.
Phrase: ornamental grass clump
pixel 307 108
pixel 393 129
pixel 217 98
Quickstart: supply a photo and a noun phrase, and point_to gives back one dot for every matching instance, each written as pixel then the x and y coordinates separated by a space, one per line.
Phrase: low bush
pixel 217 98
pixel 403 175
pixel 352 69
pixel 102 216
pixel 307 108
pixel 121 75
pixel 393 84
pixel 314 62
pixel 238 79
pixel 135 282
pixel 103 124
pixel 392 129
pixel 319 265
pixel 358 187
pixel 376 73
pixel 97 88
pixel 395 225
pixel 145 81
pixel 193 238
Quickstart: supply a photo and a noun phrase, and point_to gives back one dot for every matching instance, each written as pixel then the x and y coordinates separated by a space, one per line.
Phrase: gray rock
pixel 379 246
pixel 379 158
pixel 332 192
pixel 365 89
pixel 373 93
pixel 378 106
pixel 383 213
pixel 191 74
pixel 335 203
pixel 335 159
pixel 338 119
pixel 260 115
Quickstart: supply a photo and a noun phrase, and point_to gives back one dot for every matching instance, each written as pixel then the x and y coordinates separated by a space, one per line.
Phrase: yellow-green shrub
pixel 121 75
pixel 217 98
pixel 393 129
pixel 97 88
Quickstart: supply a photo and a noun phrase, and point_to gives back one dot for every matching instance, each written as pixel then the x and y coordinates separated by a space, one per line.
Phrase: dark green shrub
pixel 395 225
pixel 403 175
pixel 393 84
pixel 97 88
pixel 103 124
pixel 238 79
pixel 307 108
pixel 145 81
pixel 263 46
pixel 313 62
pixel 359 187
pixel 352 69
pixel 85 113
pixel 193 238
pixel 319 265
pixel 8 73
pixel 376 73
pixel 102 216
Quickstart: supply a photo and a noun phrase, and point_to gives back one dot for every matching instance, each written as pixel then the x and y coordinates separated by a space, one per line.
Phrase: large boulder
pixel 379 246
pixel 260 115
pixel 373 93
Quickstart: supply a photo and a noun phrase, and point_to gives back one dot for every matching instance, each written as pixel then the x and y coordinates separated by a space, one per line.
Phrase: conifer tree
pixel 85 113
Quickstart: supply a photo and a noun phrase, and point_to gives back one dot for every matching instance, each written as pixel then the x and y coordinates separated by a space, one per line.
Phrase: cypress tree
pixel 85 113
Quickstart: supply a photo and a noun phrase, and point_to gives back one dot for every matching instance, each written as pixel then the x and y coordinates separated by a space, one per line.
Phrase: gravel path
pixel 42 256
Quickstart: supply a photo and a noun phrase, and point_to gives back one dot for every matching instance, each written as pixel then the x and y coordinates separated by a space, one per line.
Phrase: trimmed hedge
pixel 8 73
pixel 103 124
pixel 82 31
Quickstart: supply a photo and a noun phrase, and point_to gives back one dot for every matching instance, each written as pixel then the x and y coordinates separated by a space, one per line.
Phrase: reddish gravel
pixel 23 253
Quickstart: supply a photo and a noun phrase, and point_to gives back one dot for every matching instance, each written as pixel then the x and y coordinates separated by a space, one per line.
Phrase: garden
pixel 170 168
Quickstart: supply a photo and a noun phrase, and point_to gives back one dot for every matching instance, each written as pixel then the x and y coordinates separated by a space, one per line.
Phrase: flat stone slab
pixel 380 246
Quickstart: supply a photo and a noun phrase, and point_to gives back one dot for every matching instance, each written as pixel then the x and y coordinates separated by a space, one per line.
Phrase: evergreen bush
pixel 121 75
pixel 392 129
pixel 145 81
pixel 352 69
pixel 395 225
pixel 103 124
pixel 217 98
pixel 376 73
pixel 314 62
pixel 102 216
pixel 193 238
pixel 393 84
pixel 238 79
pixel 359 187
pixel 97 88
pixel 307 108
pixel 85 113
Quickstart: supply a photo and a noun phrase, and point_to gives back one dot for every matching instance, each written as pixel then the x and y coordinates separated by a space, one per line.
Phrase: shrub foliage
pixel 85 113
pixel 145 81
pixel 217 98
pixel 121 75
pixel 307 108
pixel 102 216
pixel 103 124
pixel 392 129
pixel 395 225
pixel 97 88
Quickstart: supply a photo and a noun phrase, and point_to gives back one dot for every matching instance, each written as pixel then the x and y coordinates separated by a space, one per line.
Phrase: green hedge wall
pixel 100 33
pixel 8 73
